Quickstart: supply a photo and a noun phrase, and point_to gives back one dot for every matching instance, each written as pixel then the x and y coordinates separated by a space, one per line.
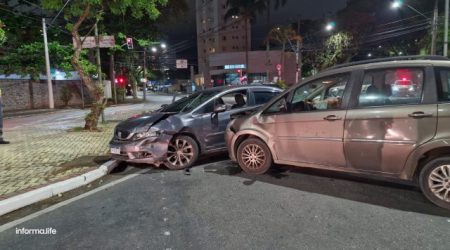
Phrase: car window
pixel 322 94
pixel 391 87
pixel 262 97
pixel 443 79
pixel 234 99
pixel 189 103
pixel 278 107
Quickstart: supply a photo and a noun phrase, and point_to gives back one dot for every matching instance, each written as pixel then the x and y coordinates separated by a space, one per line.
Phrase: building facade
pixel 227 68
pixel 215 34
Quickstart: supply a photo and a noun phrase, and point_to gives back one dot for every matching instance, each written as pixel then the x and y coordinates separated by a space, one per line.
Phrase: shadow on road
pixel 203 160
pixel 344 186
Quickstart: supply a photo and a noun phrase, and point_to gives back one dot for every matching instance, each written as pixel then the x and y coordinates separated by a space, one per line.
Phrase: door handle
pixel 420 114
pixel 332 118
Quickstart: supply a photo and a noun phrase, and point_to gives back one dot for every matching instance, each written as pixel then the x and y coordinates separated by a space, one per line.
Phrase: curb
pixel 28 198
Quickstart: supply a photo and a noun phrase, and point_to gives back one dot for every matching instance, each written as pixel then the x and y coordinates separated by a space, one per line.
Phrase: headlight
pixel 151 133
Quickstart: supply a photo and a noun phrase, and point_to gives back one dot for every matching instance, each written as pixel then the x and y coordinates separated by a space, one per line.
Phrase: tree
pixel 29 60
pixel 2 33
pixel 78 14
pixel 276 5
pixel 283 35
pixel 335 47
pixel 246 10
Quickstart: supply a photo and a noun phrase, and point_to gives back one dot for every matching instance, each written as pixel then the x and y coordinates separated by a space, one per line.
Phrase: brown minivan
pixel 387 118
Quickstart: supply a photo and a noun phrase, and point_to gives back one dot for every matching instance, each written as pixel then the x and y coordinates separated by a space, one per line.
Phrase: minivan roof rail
pixel 390 59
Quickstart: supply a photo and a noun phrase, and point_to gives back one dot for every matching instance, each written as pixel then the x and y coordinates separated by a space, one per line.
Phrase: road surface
pixel 219 207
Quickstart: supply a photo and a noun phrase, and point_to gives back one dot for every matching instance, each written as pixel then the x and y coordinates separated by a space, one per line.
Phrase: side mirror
pixel 220 108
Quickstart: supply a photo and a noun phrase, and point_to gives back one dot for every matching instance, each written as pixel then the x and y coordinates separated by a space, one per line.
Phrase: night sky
pixel 306 9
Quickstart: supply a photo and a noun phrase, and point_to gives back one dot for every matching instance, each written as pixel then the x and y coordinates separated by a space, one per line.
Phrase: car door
pixel 394 113
pixel 311 129
pixel 214 124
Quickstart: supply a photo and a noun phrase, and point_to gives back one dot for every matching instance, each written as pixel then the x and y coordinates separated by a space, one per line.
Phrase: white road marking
pixel 66 202
pixel 166 233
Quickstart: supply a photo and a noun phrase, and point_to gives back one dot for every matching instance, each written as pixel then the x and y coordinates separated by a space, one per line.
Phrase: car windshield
pixel 189 103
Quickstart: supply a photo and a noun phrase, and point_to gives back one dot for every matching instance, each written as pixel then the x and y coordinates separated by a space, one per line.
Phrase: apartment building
pixel 217 35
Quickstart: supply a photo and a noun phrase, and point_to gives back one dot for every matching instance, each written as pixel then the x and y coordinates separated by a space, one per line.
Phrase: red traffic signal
pixel 130 43
pixel 120 80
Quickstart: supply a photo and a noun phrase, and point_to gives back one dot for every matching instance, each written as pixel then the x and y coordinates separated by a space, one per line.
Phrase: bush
pixel 120 94
pixel 281 84
pixel 66 95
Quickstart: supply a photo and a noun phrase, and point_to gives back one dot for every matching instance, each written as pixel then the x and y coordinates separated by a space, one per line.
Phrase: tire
pixel 434 181
pixel 254 157
pixel 182 153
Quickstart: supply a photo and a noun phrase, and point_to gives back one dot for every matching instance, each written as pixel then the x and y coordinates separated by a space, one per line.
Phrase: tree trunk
pixel 95 91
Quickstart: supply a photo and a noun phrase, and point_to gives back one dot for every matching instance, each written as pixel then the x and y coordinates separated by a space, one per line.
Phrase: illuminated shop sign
pixel 234 66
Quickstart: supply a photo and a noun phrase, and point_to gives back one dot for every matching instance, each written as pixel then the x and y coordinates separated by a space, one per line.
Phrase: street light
pixel 163 45
pixel 369 55
pixel 330 26
pixel 154 49
pixel 396 4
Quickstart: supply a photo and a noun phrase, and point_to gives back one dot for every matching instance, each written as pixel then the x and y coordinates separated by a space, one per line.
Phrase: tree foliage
pixel 2 33
pixel 29 59
pixel 86 12
pixel 335 49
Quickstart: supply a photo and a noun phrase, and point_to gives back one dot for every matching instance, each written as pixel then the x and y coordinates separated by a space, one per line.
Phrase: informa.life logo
pixel 36 231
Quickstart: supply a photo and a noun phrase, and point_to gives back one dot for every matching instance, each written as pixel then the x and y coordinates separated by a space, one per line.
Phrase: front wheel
pixel 434 181
pixel 181 153
pixel 254 156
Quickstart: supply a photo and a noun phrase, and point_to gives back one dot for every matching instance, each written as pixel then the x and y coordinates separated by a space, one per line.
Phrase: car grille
pixel 123 135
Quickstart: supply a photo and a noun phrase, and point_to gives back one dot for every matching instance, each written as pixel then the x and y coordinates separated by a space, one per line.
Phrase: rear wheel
pixel 434 181
pixel 182 153
pixel 254 156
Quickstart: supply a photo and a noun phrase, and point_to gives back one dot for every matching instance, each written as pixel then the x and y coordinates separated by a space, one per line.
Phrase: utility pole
pixel 112 76
pixel 434 28
pixel 51 102
pixel 99 66
pixel 446 28
pixel 145 74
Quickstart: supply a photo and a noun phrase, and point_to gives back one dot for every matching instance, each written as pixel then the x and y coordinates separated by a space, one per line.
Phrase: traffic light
pixel 120 80
pixel 130 43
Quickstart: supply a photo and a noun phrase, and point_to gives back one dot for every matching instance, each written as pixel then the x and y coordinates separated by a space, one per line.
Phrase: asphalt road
pixel 219 207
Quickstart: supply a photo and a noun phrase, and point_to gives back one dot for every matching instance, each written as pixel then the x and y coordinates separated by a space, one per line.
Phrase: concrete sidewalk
pixel 46 152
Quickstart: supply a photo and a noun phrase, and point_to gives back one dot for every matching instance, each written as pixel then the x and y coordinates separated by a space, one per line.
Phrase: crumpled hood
pixel 142 122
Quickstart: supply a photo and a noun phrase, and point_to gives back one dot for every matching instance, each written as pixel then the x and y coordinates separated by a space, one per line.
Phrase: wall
pixel 19 94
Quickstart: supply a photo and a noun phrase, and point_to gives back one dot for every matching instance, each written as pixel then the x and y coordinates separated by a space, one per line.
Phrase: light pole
pixel 446 28
pixel 51 102
pixel 434 21
pixel 154 50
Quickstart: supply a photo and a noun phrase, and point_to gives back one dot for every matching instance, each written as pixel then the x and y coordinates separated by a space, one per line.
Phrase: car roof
pixel 403 61
pixel 239 87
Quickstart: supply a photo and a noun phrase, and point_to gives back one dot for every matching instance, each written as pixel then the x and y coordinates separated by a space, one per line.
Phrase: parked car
pixel 178 133
pixel 348 119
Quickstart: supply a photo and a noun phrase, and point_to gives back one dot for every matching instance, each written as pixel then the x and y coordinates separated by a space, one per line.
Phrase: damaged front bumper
pixel 150 150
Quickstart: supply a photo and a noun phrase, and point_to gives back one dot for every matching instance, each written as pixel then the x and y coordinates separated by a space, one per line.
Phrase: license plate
pixel 115 151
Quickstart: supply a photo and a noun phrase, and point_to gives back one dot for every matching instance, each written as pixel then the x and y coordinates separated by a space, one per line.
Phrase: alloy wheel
pixel 253 156
pixel 180 153
pixel 439 182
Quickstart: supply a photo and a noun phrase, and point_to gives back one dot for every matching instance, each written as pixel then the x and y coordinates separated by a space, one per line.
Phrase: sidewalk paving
pixel 40 154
